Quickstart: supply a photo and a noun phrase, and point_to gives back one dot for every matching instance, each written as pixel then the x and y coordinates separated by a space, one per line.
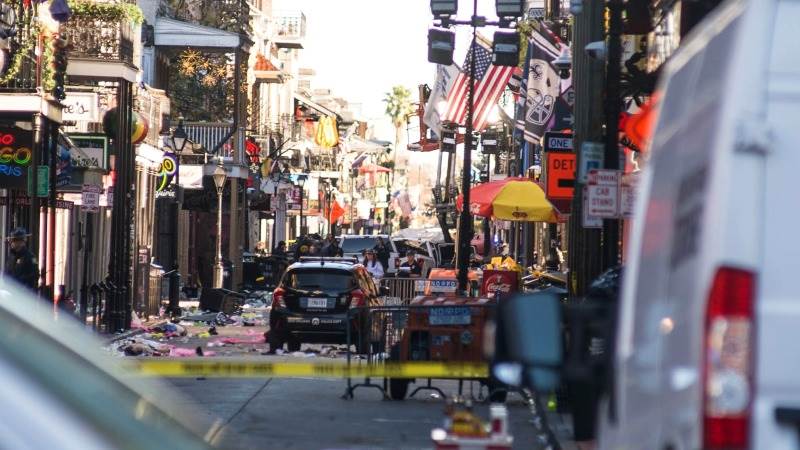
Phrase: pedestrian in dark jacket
pixel 383 253
pixel 21 265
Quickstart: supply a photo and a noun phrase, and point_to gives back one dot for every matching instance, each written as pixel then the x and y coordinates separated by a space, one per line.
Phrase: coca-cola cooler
pixel 499 283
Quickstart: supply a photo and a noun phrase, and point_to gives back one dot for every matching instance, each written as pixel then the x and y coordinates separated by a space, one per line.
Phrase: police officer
pixel 21 265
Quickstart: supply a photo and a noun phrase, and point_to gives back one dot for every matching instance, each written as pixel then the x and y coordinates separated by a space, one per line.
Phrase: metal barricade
pixel 400 291
pixel 415 333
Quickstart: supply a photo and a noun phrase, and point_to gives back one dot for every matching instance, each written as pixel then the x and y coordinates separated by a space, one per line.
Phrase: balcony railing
pixel 290 29
pixel 28 76
pixel 226 15
pixel 210 135
pixel 26 79
pixel 106 40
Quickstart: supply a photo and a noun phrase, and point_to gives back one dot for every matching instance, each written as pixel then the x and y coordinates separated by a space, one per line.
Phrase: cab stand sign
pixel 607 196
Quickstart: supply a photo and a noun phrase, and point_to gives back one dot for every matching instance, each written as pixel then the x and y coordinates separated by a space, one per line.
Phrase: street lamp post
pixel 178 141
pixel 219 176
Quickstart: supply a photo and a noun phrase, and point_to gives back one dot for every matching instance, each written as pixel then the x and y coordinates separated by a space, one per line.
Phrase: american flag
pixel 490 81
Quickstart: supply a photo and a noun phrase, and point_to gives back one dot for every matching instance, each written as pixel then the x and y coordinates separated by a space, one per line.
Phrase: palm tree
pixel 398 108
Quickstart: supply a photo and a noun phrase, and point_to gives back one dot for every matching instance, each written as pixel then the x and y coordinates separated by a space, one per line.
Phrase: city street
pixel 310 414
pixel 306 413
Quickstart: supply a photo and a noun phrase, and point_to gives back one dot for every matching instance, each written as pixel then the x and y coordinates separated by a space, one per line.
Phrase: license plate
pixel 449 316
pixel 317 303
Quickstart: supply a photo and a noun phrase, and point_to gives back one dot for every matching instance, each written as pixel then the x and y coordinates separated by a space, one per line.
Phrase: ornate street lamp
pixel 219 177
pixel 178 141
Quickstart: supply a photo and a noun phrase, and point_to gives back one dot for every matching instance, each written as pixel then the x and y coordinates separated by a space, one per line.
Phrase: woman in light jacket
pixel 374 267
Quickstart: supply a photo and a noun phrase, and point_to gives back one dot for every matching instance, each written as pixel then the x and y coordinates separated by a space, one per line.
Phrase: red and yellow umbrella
pixel 516 199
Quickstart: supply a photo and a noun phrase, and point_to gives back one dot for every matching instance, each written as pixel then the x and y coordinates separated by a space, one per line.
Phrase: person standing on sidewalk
pixel 21 265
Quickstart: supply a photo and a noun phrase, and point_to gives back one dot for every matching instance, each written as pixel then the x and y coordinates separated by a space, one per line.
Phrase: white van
pixel 710 308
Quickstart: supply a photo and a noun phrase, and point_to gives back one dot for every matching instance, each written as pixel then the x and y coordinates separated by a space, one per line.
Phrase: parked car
pixel 311 303
pixel 354 244
pixel 60 391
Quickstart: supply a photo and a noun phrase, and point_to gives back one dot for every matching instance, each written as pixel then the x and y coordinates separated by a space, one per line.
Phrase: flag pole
pixel 465 219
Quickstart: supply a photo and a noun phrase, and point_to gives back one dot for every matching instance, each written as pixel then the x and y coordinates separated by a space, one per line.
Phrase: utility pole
pixel 588 81
pixel 613 107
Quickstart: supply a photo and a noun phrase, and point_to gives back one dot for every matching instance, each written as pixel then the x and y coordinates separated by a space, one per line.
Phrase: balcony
pixel 224 25
pixel 290 29
pixel 101 47
pixel 26 80
pixel 28 77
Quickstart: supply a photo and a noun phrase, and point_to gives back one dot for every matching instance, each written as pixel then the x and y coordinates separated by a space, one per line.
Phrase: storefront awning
pixel 315 106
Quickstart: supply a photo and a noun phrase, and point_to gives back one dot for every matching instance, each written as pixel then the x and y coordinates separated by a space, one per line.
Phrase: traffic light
pixel 60 67
pixel 441 44
pixel 505 49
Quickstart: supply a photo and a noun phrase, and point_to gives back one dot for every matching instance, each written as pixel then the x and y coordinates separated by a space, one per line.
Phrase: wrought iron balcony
pixel 210 135
pixel 101 39
pixel 24 73
pixel 227 15
pixel 290 29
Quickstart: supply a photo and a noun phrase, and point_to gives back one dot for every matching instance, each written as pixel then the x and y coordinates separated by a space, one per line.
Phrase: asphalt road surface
pixel 310 414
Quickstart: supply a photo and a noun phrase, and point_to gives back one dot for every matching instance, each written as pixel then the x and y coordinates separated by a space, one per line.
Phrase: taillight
pixel 357 298
pixel 728 370
pixel 277 298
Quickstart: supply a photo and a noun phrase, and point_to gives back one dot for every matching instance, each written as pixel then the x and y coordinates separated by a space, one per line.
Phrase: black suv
pixel 312 301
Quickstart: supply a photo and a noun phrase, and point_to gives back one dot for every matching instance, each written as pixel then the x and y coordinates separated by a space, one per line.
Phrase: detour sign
pixel 560 165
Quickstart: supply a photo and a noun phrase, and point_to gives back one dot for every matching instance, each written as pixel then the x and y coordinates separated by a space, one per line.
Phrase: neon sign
pixel 16 156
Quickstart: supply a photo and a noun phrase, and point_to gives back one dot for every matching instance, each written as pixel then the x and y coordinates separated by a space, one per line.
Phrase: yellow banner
pixel 226 368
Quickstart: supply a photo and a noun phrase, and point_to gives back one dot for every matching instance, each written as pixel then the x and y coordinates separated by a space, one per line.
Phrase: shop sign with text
pixel 15 157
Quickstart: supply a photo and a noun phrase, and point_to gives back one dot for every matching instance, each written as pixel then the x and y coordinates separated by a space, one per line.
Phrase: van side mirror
pixel 529 341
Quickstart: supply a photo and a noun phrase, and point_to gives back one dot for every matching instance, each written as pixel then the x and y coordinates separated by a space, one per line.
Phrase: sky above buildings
pixel 361 48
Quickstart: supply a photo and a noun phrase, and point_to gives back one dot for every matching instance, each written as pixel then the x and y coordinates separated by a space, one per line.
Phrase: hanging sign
pixel 15 157
pixel 90 151
pixel 167 170
pixel 81 106
pixel 90 198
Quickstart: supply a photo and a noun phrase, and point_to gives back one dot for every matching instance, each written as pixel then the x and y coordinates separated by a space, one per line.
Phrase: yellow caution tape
pixel 217 368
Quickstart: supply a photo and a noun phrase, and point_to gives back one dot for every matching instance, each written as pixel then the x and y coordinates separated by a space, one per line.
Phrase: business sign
pixel 90 151
pixel 191 176
pixel 81 106
pixel 15 157
pixel 90 198
pixel 166 171
pixel 591 159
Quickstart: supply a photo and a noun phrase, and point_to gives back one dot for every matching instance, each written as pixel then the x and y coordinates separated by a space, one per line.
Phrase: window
pixel 357 244
pixel 323 280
